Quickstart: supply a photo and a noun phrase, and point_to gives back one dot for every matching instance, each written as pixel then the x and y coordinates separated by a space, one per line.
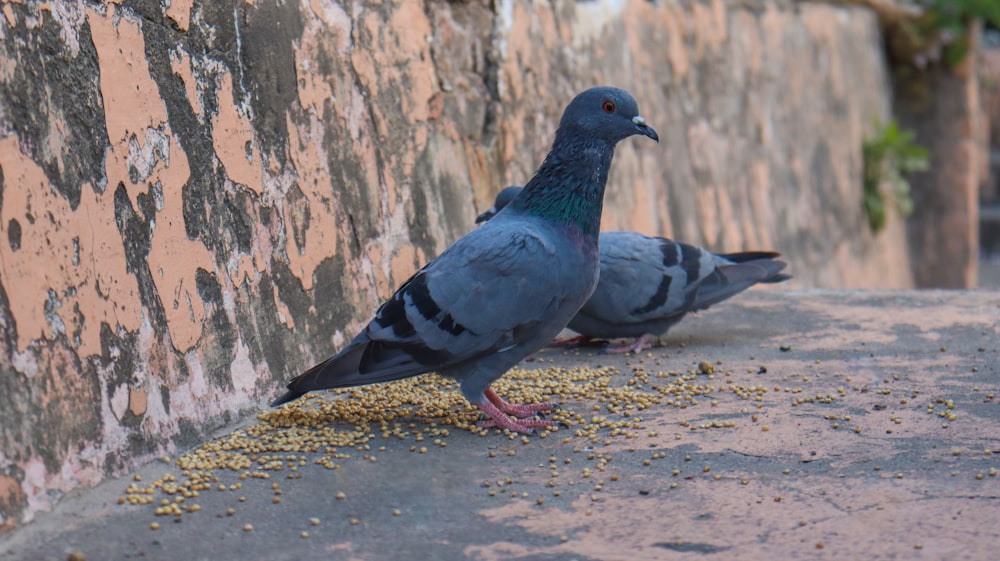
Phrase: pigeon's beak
pixel 486 215
pixel 642 128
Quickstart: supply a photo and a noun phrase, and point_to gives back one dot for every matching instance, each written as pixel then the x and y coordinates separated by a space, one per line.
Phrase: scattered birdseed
pixel 599 406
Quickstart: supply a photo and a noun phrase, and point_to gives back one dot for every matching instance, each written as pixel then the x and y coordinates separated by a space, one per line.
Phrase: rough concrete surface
pixel 200 199
pixel 875 437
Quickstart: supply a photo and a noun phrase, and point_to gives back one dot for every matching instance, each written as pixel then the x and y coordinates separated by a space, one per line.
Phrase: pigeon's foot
pixel 500 413
pixel 578 341
pixel 634 347
pixel 517 410
pixel 500 420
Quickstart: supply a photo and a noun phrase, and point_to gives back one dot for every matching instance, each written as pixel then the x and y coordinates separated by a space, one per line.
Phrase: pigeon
pixel 648 284
pixel 505 289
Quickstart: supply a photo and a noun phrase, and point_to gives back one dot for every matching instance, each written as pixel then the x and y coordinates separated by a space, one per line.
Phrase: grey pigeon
pixel 504 290
pixel 649 284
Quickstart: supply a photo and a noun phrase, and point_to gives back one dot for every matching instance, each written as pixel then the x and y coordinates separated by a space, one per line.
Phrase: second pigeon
pixel 648 284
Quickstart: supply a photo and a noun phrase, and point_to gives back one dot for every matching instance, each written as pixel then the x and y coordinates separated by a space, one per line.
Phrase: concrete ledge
pixel 875 437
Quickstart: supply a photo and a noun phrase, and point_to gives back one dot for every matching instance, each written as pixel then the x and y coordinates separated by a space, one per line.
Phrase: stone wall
pixel 199 201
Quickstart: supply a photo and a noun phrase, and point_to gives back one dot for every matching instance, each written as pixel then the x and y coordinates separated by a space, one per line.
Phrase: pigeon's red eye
pixel 609 107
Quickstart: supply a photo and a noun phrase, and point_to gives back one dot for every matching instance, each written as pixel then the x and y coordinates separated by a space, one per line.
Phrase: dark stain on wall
pixel 299 216
pixel 232 222
pixel 198 196
pixel 13 233
pixel 346 189
pixel 447 191
pixel 195 138
pixel 298 302
pixel 416 220
pixel 50 412
pixel 268 339
pixel 136 237
pixel 11 383
pixel 47 86
pixel 334 302
pixel 267 33
pixel 117 358
pixel 60 414
pixel 219 336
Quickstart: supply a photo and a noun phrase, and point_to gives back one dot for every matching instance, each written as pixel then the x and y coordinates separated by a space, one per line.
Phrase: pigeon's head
pixel 503 199
pixel 605 113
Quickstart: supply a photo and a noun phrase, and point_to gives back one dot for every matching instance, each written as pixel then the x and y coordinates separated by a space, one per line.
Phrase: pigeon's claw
pixel 636 346
pixel 512 416
pixel 500 420
pixel 517 410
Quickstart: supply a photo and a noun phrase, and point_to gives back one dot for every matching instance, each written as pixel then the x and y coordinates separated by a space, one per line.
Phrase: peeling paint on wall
pixel 71 273
pixel 200 200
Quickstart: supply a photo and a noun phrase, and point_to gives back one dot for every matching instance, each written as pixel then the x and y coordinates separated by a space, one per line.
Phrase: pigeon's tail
pixel 728 280
pixel 765 259
pixel 289 396
pixel 362 362
pixel 745 256
pixel 324 375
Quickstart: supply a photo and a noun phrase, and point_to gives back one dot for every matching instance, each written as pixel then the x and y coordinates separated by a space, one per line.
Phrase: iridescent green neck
pixel 569 186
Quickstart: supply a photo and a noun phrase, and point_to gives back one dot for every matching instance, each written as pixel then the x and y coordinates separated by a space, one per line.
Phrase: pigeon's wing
pixel 646 278
pixel 485 293
pixel 476 298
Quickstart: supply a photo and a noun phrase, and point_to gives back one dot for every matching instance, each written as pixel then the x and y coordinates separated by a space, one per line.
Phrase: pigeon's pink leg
pixel 578 341
pixel 499 411
pixel 635 346
pixel 519 411
pixel 501 420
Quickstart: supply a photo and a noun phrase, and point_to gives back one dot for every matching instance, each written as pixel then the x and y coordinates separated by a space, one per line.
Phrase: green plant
pixel 951 18
pixel 887 157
